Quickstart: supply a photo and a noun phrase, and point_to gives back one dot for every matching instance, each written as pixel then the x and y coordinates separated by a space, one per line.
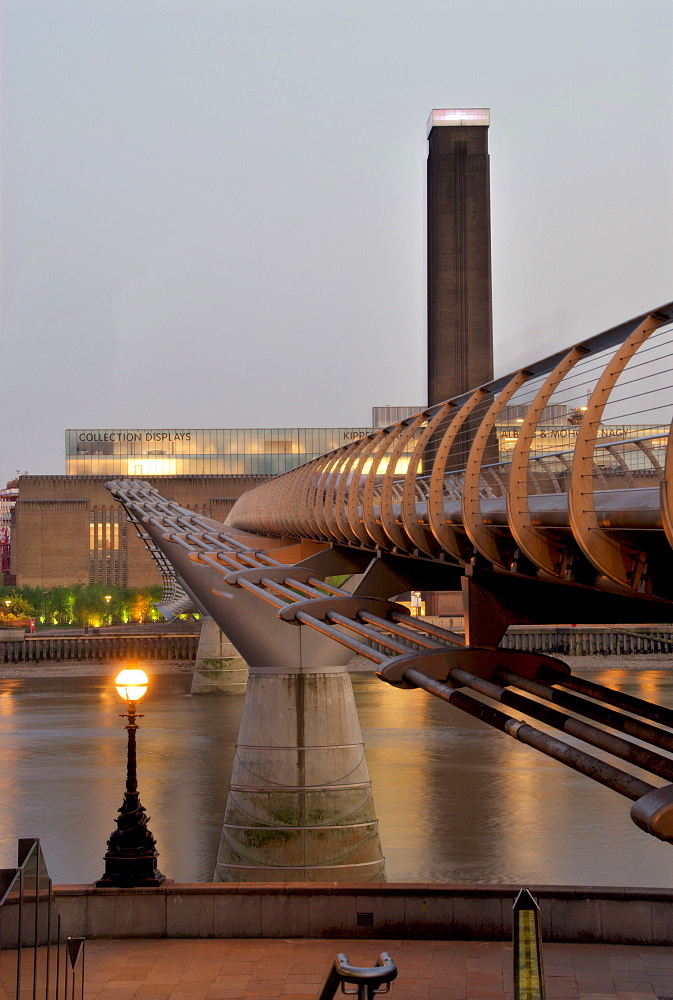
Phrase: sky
pixel 212 212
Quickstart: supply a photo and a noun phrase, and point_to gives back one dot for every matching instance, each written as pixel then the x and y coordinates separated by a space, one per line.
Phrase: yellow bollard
pixel 528 969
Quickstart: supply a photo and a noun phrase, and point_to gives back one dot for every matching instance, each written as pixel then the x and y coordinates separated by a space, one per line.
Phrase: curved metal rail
pixel 368 982
pixel 578 486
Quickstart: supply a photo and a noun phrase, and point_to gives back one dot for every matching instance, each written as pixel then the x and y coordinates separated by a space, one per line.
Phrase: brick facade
pixel 68 529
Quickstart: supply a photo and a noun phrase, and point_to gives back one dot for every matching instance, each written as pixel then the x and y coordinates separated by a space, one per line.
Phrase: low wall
pixel 590 641
pixel 566 640
pixel 384 910
pixel 580 640
pixel 35 648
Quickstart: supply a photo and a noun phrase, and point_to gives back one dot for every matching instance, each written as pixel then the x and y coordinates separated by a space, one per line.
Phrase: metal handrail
pixel 367 980
pixel 49 965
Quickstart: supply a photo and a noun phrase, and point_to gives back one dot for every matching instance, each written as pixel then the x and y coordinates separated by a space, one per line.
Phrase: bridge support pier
pixel 300 805
pixel 219 668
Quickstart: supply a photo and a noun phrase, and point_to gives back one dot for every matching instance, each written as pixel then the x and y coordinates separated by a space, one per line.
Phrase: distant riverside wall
pixel 57 648
pixel 607 915
pixel 597 641
pixel 572 640
pixel 564 640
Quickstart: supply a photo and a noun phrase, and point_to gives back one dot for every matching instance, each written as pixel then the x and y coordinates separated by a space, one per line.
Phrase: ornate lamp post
pixel 131 858
pixel 107 599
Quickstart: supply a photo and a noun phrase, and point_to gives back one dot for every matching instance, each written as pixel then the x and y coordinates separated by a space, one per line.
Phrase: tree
pixel 16 606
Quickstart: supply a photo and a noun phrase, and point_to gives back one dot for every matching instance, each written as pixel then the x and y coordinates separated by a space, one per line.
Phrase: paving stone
pixel 294 969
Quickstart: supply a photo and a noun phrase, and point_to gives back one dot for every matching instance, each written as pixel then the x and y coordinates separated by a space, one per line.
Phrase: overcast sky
pixel 213 211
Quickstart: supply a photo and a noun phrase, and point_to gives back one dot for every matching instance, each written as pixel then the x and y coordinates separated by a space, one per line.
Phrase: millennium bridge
pixel 545 496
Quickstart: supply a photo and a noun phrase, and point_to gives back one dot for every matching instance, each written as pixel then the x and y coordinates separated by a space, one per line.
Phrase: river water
pixel 456 801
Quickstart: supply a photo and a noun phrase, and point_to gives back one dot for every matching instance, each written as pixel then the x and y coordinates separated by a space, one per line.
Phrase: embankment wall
pixel 32 649
pixel 350 910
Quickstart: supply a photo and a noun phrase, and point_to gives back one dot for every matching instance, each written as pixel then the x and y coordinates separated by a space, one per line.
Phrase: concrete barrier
pixel 590 914
pixel 52 648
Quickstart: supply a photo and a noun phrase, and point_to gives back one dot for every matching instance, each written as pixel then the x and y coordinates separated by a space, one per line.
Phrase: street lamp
pixel 131 857
pixel 107 598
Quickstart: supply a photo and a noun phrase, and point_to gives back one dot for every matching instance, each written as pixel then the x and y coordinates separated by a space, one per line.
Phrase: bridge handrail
pixel 555 453
pixel 356 495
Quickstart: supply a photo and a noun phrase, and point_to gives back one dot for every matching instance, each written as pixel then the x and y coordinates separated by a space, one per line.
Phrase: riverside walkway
pixel 294 969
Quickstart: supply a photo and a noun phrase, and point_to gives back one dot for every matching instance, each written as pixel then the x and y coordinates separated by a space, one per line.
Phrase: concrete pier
pixel 219 668
pixel 300 804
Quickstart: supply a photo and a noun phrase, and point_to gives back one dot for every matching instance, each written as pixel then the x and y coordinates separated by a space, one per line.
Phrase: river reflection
pixel 456 800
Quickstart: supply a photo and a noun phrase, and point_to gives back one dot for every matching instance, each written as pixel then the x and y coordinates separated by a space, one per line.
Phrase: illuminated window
pixel 107 546
pixel 152 466
pixel 400 468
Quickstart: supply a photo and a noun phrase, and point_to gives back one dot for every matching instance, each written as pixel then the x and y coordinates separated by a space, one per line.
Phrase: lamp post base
pixel 130 872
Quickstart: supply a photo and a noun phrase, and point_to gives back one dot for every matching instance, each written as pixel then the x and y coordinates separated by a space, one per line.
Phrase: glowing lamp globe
pixel 132 684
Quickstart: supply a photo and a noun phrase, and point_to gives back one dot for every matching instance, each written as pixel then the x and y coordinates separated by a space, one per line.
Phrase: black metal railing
pixel 37 959
pixel 367 981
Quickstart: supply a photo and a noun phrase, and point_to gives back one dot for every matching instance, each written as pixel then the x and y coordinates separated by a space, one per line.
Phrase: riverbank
pixel 44 669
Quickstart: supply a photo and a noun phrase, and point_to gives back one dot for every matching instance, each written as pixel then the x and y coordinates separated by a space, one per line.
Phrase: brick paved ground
pixel 428 970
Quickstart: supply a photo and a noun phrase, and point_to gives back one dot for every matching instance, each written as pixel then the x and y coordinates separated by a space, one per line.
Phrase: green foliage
pixel 18 607
pixel 80 604
pixel 8 621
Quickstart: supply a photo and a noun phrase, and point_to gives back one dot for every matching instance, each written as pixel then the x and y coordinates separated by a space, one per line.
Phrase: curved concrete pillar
pixel 300 805
pixel 219 667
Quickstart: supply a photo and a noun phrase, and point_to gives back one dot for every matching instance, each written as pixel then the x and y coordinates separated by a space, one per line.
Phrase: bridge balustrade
pixel 532 472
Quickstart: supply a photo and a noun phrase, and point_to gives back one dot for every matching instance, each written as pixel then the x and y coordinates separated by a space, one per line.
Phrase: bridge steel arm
pixel 583 543
pixel 370 516
pixel 483 538
pixel 420 534
pixel 617 558
pixel 391 521
pixel 545 549
pixel 666 490
pixel 344 530
pixel 357 497
pixel 449 536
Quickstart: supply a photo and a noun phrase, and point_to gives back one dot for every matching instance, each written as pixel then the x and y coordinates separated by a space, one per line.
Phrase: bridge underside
pixel 308 566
